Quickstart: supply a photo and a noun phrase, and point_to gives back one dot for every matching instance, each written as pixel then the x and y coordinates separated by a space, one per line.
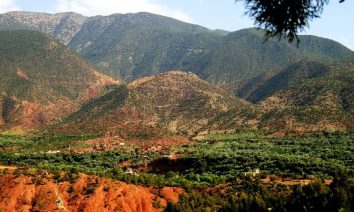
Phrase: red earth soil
pixel 27 193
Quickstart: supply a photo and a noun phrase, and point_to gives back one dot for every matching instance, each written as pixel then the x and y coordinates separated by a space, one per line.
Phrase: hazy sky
pixel 337 21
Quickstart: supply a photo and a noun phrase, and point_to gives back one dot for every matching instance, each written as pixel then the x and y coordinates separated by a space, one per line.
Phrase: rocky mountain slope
pixel 176 102
pixel 42 81
pixel 63 26
pixel 305 97
pixel 309 96
pixel 135 45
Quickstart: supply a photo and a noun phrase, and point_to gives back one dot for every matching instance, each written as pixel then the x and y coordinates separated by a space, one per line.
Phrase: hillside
pixel 63 26
pixel 174 101
pixel 38 190
pixel 309 96
pixel 301 70
pixel 41 80
pixel 305 97
pixel 244 54
pixel 137 45
pixel 130 46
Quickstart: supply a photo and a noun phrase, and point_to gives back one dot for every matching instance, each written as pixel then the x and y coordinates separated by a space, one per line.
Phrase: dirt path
pixel 288 181
pixel 8 167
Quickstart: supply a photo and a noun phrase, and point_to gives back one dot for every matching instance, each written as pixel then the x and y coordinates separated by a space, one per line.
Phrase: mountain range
pixel 224 80
pixel 130 46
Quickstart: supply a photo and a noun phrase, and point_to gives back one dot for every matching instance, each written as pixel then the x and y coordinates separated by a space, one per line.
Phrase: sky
pixel 336 22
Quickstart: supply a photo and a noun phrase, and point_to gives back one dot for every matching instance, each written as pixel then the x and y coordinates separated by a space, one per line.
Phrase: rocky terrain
pixel 42 81
pixel 63 26
pixel 40 192
pixel 175 101
pixel 309 97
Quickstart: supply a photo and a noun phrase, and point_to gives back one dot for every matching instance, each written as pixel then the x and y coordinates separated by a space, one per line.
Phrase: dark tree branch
pixel 284 18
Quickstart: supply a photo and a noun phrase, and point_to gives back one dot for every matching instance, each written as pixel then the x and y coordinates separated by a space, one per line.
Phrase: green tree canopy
pixel 284 18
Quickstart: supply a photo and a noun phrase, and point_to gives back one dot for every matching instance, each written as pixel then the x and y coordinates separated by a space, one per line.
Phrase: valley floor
pixel 246 171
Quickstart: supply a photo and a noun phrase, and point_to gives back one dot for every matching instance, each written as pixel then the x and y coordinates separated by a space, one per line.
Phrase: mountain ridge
pixel 142 46
pixel 130 46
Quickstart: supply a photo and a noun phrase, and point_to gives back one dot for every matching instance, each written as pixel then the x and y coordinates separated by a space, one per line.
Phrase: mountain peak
pixel 175 76
pixel 173 101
